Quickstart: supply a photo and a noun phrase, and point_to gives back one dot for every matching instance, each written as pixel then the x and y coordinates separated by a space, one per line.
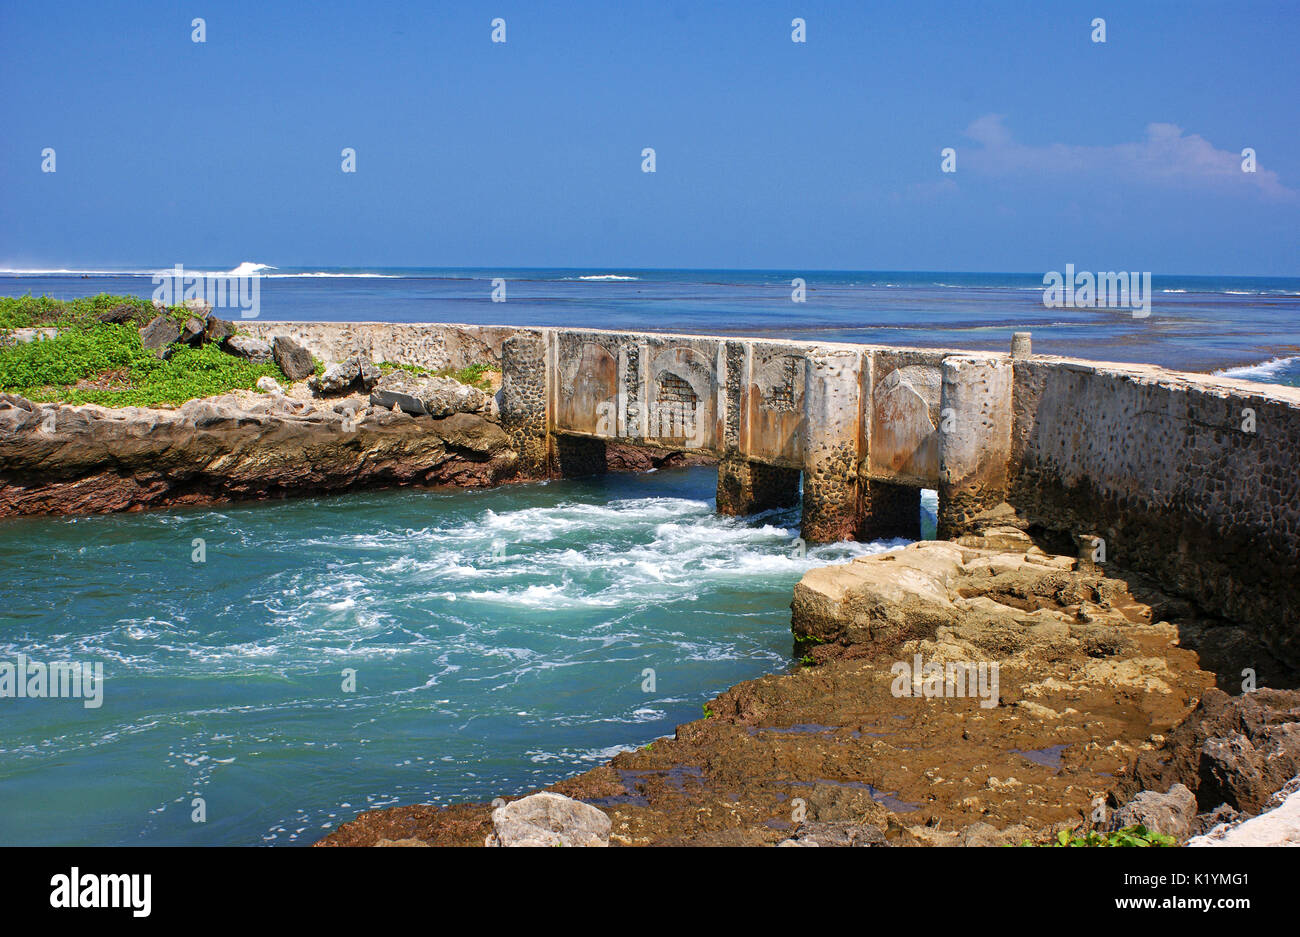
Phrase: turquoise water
pixel 499 640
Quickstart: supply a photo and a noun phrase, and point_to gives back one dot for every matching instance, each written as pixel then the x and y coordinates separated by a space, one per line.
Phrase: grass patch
pixel 94 362
pixel 474 375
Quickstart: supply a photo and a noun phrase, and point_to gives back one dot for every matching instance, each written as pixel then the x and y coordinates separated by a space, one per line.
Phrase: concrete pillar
pixel 974 439
pixel 886 511
pixel 525 400
pixel 746 487
pixel 832 428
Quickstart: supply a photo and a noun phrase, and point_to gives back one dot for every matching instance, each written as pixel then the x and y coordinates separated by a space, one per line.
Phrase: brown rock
pixel 159 334
pixel 232 447
pixel 295 361
pixel 1234 750
pixel 218 330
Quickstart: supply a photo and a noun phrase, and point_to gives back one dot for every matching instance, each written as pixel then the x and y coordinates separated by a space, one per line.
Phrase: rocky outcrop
pixel 1277 826
pixel 434 396
pixel 893 737
pixel 548 819
pixel 351 373
pixel 58 459
pixel 1236 751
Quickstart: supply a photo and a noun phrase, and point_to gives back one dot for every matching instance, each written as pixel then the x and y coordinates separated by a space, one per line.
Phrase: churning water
pixel 501 640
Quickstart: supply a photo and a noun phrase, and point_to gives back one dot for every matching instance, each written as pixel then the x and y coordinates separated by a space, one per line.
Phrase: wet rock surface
pixel 867 748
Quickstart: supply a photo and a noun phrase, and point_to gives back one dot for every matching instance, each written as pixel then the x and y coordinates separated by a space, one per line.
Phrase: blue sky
pixel 821 155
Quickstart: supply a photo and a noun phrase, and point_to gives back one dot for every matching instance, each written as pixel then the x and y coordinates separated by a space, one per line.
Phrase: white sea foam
pixel 1266 372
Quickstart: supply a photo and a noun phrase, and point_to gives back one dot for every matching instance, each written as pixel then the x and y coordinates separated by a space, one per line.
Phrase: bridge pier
pixel 832 399
pixel 975 439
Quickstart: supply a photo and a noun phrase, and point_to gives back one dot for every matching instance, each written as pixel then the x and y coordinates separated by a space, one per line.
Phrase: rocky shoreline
pixel 1088 715
pixel 58 459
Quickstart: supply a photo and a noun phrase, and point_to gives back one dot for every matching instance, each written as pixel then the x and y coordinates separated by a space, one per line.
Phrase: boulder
pixel 295 361
pixel 118 315
pixel 337 377
pixel 269 385
pixel 159 334
pixel 192 331
pixel 218 330
pixel 369 373
pixel 245 346
pixel 200 307
pixel 1171 814
pixel 548 819
pixel 435 396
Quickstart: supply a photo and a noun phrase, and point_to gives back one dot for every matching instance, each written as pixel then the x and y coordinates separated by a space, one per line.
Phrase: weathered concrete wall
pixel 1159 465
pixel 1190 479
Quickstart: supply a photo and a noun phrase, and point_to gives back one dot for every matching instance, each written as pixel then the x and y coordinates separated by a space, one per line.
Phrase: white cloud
pixel 1168 156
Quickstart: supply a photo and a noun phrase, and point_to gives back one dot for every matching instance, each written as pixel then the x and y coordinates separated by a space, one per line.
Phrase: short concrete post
pixel 1021 345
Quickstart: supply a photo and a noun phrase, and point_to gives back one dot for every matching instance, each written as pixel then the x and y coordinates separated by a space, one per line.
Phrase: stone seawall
pixel 1192 480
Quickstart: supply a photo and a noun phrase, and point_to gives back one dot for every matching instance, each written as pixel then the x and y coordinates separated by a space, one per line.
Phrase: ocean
pixel 1250 325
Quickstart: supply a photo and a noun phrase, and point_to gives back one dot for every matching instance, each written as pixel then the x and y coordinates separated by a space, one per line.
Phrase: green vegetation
pixel 803 643
pixel 1129 836
pixel 90 361
pixel 475 375
pixel 708 713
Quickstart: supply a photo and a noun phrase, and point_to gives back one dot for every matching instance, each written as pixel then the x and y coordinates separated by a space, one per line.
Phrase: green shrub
pixel 87 350
pixel 1129 836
